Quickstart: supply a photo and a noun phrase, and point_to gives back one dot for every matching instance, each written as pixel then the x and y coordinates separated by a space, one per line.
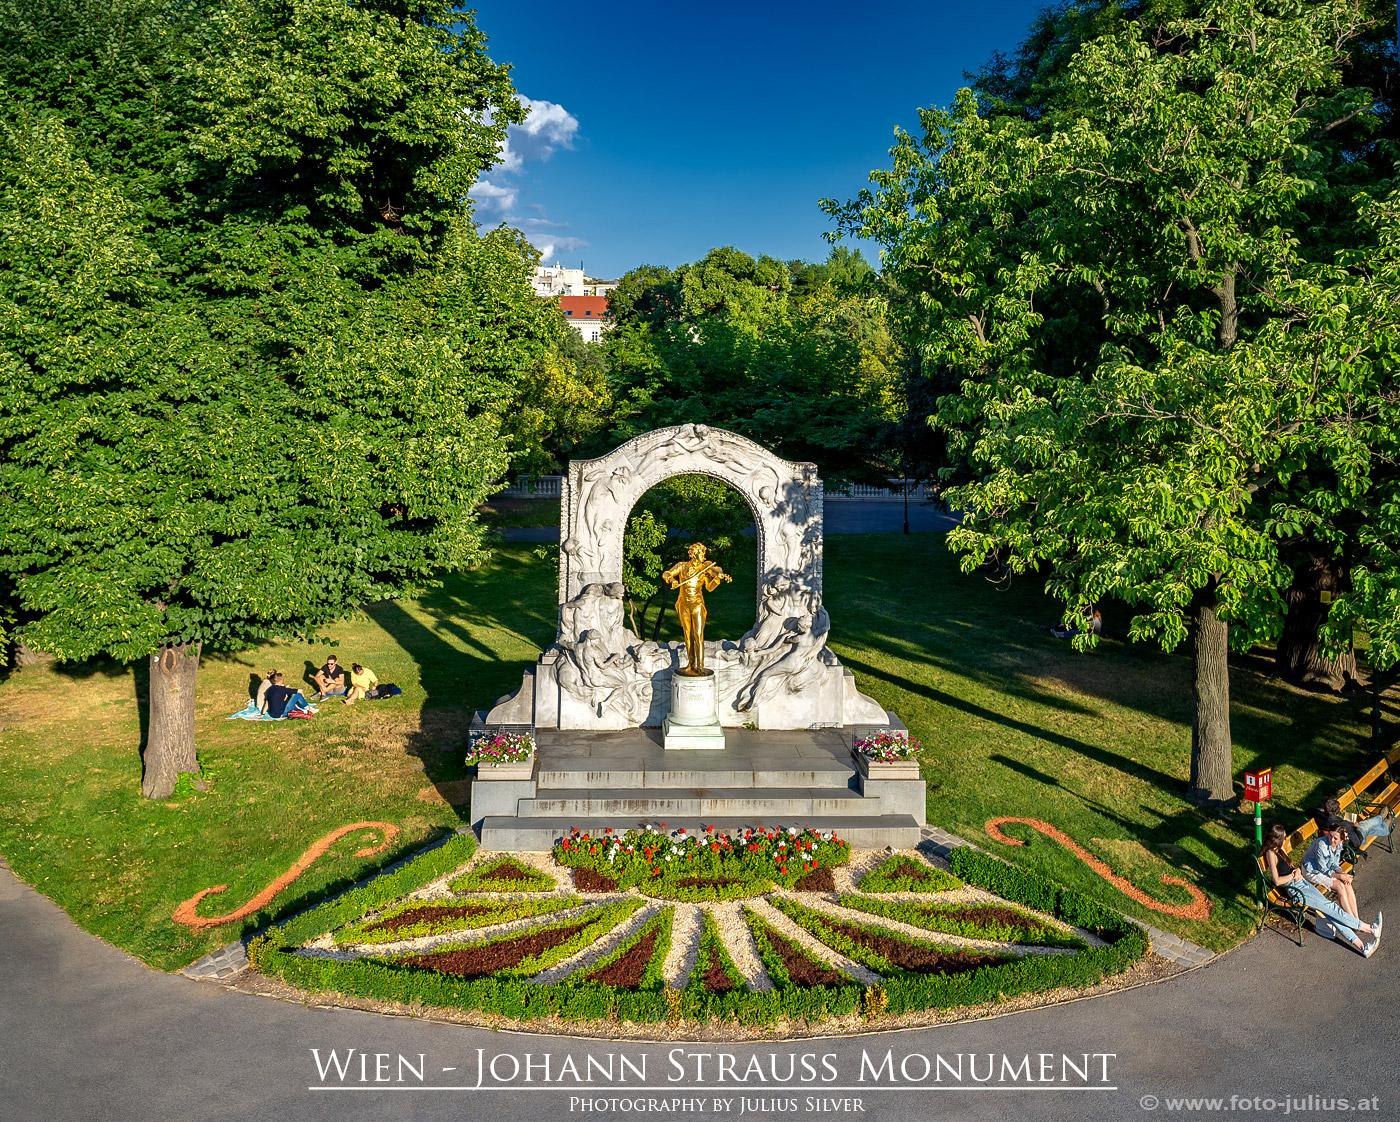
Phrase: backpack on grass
pixel 383 690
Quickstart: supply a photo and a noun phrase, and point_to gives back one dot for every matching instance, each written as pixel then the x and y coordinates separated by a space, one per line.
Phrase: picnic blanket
pixel 250 712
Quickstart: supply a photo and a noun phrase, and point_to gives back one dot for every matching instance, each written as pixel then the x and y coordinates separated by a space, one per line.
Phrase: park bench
pixel 1374 792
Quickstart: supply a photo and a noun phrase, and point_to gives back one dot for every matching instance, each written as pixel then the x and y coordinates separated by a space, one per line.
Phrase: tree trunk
pixel 26 655
pixel 170 736
pixel 1299 658
pixel 1212 764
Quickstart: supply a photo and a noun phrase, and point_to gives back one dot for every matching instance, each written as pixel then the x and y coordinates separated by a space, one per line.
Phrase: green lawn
pixel 1014 723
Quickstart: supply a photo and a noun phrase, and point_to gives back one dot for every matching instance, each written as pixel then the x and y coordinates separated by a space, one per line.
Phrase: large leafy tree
pixel 1157 383
pixel 1351 154
pixel 256 374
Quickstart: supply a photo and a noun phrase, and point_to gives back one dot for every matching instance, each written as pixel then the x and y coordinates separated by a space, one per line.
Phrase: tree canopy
pixel 257 373
pixel 1156 381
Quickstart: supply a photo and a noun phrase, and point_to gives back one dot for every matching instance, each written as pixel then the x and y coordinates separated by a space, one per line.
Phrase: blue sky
pixel 660 130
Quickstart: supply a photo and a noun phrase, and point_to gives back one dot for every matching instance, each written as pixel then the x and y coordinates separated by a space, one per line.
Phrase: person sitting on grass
pixel 1286 877
pixel 1322 864
pixel 330 679
pixel 282 699
pixel 263 687
pixel 1358 831
pixel 362 680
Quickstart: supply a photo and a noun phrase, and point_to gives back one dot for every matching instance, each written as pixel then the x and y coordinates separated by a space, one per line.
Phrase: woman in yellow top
pixel 362 680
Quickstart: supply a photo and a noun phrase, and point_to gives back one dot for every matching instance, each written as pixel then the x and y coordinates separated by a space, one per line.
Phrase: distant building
pixel 588 315
pixel 556 280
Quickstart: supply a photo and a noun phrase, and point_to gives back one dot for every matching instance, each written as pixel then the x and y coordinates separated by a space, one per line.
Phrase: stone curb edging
pixel 1183 952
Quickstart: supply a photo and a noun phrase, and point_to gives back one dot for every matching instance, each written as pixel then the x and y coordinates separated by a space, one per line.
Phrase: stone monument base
pixel 693 722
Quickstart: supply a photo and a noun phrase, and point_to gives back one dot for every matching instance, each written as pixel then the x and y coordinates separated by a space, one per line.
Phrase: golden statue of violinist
pixel 694 578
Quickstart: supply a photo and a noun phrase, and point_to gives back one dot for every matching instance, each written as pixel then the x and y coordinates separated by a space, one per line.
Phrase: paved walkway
pixel 88 1033
pixel 838 518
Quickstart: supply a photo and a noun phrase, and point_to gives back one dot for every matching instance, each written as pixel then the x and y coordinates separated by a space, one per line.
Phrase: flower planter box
pixel 877 769
pixel 522 769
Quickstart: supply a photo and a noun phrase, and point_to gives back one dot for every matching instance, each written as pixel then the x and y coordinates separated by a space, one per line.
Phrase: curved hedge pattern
pixel 592 957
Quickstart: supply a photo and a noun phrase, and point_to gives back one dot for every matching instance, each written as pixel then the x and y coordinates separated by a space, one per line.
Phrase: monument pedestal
pixel 694 718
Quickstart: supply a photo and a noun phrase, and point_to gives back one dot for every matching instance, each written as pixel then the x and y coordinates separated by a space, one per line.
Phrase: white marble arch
pixel 598 497
pixel 779 675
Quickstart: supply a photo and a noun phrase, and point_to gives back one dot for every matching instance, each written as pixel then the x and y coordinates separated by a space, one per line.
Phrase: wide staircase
pixel 593 781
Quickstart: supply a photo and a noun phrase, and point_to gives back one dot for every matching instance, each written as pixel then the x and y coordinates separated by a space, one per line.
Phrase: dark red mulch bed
pixel 989 914
pixel 627 971
pixel 507 870
pixel 587 880
pixel 477 962
pixel 818 880
pixel 801 969
pixel 429 913
pixel 906 869
pixel 716 980
pixel 910 956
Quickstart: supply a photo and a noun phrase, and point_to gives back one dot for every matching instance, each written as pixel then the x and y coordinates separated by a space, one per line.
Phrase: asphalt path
pixel 837 518
pixel 88 1033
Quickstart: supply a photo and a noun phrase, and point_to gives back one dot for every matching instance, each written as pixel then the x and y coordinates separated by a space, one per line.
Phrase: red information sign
pixel 1258 785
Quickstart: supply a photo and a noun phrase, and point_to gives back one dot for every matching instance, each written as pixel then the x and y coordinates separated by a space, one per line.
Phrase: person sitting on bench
pixel 1358 832
pixel 1322 864
pixel 330 679
pixel 1286 877
pixel 362 681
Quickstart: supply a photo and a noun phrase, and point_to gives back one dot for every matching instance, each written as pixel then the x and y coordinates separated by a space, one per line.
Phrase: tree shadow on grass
pixel 455 641
pixel 1171 830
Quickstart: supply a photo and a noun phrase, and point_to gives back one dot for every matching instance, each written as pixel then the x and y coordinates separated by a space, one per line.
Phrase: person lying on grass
pixel 330 679
pixel 1286 877
pixel 362 680
pixel 281 700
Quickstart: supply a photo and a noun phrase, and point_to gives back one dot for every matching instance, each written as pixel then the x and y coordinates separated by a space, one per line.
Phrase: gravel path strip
pixel 734 933
pixel 686 929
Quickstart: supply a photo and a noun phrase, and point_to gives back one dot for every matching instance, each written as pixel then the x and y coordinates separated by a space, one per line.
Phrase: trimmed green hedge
pixel 503 911
pixel 1020 886
pixel 513 997
pixel 952 919
pixel 597 923
pixel 484 878
pixel 711 952
pixel 886 878
pixel 384 889
pixel 652 980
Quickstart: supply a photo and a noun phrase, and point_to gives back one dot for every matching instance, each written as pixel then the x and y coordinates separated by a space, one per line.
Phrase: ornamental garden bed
pixel 905 874
pixel 572 955
pixel 504 875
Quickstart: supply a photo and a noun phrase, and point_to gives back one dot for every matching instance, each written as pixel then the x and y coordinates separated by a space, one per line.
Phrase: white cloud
pixel 550 247
pixel 494 196
pixel 548 127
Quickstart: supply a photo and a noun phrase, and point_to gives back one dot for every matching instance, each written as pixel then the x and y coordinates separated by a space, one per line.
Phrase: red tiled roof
pixel 589 307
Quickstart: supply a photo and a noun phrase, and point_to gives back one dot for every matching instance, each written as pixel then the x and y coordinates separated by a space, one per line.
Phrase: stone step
pixel 724 802
pixel 593 775
pixel 536 835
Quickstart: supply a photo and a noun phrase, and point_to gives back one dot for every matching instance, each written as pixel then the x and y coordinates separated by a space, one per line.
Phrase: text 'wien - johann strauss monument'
pixel 779 675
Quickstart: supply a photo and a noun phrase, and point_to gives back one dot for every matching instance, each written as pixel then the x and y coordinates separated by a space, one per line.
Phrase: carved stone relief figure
pixel 790 662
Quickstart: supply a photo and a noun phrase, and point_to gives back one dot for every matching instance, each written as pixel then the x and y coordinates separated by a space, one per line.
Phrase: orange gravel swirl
pixel 185 913
pixel 1200 908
